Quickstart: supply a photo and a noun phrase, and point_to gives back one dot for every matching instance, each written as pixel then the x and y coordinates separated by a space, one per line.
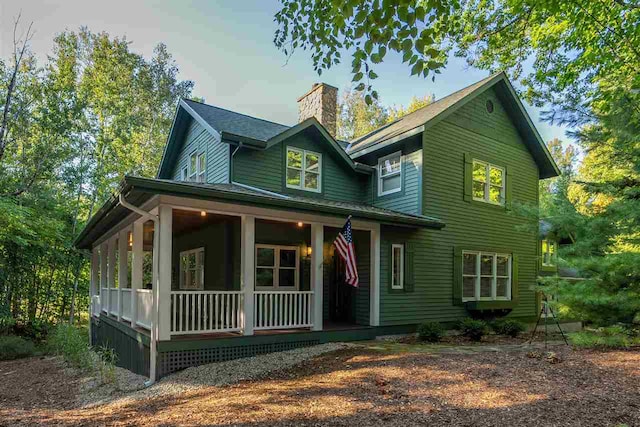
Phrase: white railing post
pixel 374 283
pixel 104 296
pixel 162 290
pixel 111 271
pixel 123 267
pixel 247 269
pixel 136 267
pixel 317 240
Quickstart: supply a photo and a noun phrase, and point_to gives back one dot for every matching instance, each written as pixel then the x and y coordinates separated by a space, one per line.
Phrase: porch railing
pixel 104 298
pixel 113 301
pixel 283 309
pixel 125 301
pixel 95 305
pixel 144 301
pixel 197 312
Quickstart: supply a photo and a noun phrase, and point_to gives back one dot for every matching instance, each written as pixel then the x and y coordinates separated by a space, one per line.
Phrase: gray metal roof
pixel 236 123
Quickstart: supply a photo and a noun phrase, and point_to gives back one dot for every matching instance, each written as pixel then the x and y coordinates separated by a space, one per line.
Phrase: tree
pixel 396 112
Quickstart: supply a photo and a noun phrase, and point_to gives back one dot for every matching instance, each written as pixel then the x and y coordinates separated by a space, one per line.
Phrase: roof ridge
pixel 235 112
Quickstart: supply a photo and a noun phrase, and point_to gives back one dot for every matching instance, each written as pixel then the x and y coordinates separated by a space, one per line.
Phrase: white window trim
pixel 276 268
pixel 201 171
pixel 552 255
pixel 303 169
pixel 199 268
pixel 493 275
pixel 487 183
pixel 400 285
pixel 381 161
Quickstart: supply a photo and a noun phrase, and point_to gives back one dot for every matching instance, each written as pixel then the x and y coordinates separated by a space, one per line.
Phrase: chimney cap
pixel 317 86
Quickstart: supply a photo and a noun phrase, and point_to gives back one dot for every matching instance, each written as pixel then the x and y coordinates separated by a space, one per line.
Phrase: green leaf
pixel 357 77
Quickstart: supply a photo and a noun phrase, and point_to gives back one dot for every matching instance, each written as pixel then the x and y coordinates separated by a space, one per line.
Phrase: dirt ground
pixel 373 385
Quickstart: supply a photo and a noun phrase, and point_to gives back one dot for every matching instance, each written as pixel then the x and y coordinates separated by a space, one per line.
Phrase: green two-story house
pixel 229 251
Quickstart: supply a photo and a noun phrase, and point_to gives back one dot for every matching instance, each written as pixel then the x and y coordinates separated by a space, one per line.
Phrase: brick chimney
pixel 320 102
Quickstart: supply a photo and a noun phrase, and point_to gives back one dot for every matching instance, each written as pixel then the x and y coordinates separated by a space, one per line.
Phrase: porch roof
pixel 138 190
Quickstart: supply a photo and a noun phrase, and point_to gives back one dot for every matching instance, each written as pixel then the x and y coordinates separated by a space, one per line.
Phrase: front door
pixel 341 294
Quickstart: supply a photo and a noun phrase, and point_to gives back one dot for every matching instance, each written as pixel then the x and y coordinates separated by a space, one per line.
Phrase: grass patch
pixel 604 338
pixel 13 347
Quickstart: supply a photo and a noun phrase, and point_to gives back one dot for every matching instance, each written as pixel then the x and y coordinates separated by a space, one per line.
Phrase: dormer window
pixel 304 169
pixel 197 167
pixel 390 174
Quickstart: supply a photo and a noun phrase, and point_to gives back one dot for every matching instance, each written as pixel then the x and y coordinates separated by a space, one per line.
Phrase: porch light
pixel 300 224
pixel 203 213
pixel 309 250
pixel 130 238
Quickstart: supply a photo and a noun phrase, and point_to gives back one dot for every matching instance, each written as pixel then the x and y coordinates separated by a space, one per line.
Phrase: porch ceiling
pixel 139 190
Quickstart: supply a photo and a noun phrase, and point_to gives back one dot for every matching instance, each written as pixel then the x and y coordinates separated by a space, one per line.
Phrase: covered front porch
pixel 211 270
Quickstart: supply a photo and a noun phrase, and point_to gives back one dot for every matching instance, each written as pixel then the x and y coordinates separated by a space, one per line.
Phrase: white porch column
pixel 111 270
pixel 104 298
pixel 247 269
pixel 162 288
pixel 317 257
pixel 137 260
pixel 374 283
pixel 123 266
pixel 95 278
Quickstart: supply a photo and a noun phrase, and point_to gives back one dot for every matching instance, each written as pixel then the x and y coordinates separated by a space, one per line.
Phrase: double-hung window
pixel 192 269
pixel 390 174
pixel 197 167
pixel 548 253
pixel 277 267
pixel 304 169
pixel 184 174
pixel 488 183
pixel 397 266
pixel 486 276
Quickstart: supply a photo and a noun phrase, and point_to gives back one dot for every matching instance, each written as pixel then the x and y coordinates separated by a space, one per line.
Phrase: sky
pixel 226 47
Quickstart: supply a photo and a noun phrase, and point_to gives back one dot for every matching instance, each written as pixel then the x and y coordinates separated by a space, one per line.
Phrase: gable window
pixel 197 167
pixel 277 267
pixel 486 276
pixel 390 174
pixel 488 183
pixel 549 253
pixel 397 266
pixel 304 169
pixel 192 269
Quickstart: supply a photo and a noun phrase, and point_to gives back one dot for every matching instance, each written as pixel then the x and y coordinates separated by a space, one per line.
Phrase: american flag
pixel 344 245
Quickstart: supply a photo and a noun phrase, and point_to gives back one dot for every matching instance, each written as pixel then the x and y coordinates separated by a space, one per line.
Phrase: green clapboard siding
pixel 198 139
pixel 266 169
pixel 490 137
pixel 408 200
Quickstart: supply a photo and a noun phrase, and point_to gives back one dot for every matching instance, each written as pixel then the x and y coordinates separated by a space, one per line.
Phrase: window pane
pixel 390 166
pixel 294 159
pixel 485 287
pixel 201 258
pixel 486 265
pixel 192 279
pixel 545 246
pixel 397 265
pixel 502 268
pixel 293 177
pixel 265 257
pixel 287 278
pixel 468 287
pixel 552 247
pixel 192 260
pixel 478 190
pixel 193 164
pixel 311 181
pixel 501 287
pixel 264 277
pixel 287 258
pixel 391 183
pixel 479 172
pixel 469 264
pixel 495 175
pixel 495 194
pixel 202 163
pixel 311 162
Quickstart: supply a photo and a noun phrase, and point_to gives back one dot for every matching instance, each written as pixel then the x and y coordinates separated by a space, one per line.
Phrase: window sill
pixel 490 305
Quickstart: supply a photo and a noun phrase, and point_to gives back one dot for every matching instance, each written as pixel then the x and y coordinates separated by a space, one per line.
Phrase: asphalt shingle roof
pixel 412 120
pixel 236 123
